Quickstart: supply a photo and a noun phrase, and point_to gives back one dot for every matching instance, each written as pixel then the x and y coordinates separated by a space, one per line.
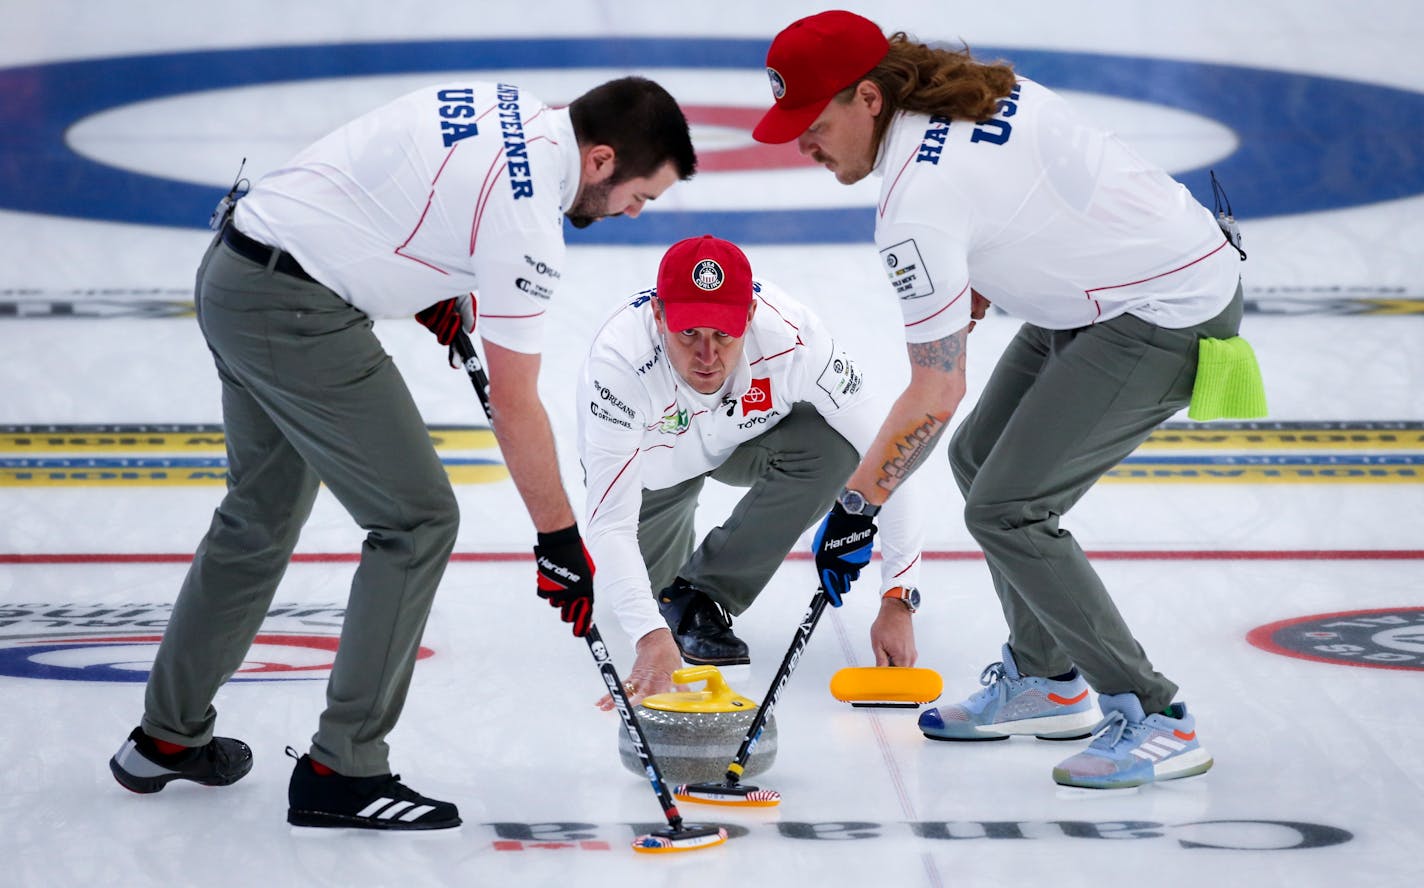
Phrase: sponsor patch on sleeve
pixel 840 379
pixel 906 270
pixel 608 406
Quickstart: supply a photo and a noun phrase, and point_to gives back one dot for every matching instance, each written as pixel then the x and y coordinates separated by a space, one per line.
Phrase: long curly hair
pixel 927 79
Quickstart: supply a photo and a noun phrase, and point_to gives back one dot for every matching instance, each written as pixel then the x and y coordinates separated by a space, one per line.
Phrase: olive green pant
pixel 1061 408
pixel 308 396
pixel 794 473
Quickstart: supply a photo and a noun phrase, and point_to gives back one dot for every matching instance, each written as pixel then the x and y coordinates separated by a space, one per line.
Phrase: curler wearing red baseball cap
pixel 705 282
pixel 810 61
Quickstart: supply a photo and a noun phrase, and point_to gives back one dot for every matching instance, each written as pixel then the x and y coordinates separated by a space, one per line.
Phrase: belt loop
pixel 272 260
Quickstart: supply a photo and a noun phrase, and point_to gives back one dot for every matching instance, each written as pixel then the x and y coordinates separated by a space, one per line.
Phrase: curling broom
pixel 731 791
pixel 886 687
pixel 678 836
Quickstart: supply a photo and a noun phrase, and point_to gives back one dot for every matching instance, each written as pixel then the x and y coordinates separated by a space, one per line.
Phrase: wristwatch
pixel 909 596
pixel 854 502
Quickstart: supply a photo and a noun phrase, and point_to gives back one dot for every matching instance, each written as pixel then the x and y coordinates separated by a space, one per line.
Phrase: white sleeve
pixel 516 284
pixel 612 413
pixel 849 403
pixel 902 536
pixel 928 269
pixel 833 383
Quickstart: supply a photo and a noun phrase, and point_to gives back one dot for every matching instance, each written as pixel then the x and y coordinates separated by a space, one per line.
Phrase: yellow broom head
pixel 886 686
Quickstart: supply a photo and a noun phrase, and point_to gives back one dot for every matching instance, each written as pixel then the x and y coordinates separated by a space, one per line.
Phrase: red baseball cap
pixel 810 61
pixel 705 282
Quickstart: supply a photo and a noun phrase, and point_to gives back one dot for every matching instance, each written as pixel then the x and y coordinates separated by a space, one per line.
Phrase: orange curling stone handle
pixel 890 686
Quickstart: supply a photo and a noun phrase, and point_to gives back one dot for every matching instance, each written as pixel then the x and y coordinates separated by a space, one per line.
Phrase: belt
pixel 260 253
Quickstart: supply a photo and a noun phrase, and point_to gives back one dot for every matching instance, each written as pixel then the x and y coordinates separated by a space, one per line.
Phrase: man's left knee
pixel 808 431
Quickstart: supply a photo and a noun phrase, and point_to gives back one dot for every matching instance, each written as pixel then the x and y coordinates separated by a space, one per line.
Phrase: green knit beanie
pixel 1228 383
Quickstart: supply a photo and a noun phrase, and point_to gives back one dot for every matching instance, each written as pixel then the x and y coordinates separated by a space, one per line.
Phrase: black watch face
pixel 914 597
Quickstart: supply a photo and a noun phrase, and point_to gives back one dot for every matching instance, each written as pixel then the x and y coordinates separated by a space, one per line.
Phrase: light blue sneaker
pixel 1130 748
pixel 1014 704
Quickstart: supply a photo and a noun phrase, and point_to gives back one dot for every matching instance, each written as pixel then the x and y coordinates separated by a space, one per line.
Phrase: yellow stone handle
pixel 717 688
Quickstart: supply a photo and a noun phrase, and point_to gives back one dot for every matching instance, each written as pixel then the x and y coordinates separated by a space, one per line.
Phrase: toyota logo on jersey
pixel 758 397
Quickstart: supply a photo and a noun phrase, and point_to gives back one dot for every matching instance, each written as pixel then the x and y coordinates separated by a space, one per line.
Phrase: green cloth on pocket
pixel 1228 383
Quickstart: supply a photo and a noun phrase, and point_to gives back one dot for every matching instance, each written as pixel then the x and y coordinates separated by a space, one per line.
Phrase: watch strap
pixel 866 508
pixel 900 594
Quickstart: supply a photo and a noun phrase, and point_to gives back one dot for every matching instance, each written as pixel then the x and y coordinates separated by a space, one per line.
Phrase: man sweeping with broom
pixel 994 189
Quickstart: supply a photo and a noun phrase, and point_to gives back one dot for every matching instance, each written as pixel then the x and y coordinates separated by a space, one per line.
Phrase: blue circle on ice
pixel 1305 143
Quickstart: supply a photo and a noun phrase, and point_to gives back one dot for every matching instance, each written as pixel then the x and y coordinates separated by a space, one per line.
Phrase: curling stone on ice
pixel 694 735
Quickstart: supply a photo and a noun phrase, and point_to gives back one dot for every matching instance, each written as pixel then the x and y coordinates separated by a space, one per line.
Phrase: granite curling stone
pixel 694 735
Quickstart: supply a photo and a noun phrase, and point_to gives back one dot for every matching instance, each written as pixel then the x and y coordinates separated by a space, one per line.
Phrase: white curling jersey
pixel 451 189
pixel 1053 220
pixel 641 426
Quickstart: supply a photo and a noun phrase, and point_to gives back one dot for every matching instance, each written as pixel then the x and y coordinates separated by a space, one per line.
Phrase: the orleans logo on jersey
pixel 601 410
pixel 707 275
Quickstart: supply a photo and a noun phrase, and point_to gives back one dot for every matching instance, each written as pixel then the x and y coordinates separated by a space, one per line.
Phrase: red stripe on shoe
pixel 1064 701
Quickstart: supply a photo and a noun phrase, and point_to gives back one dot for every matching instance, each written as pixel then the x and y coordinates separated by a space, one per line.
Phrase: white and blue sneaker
pixel 1015 704
pixel 1130 748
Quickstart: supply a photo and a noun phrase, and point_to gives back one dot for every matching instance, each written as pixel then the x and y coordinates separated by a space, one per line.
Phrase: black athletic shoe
pixel 140 767
pixel 701 627
pixel 332 800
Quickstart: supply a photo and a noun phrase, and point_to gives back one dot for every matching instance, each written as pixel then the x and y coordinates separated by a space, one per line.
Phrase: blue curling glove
pixel 842 547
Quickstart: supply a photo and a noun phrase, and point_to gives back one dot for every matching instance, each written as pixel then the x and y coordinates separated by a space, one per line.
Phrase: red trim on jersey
pixel 486 188
pixel 420 261
pixel 777 355
pixel 1089 293
pixel 501 164
pixel 429 199
pixel 611 484
pixel 912 563
pixel 764 301
pixel 896 181
pixel 942 310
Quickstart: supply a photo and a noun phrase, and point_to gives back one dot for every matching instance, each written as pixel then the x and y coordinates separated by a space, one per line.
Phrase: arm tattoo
pixel 945 355
pixel 912 448
pixel 917 442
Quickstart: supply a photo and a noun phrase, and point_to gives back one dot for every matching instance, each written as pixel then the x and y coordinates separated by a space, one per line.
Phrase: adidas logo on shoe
pixel 1131 748
pixel 382 802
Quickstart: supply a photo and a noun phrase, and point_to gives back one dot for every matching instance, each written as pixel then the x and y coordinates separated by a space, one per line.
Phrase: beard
pixel 591 205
